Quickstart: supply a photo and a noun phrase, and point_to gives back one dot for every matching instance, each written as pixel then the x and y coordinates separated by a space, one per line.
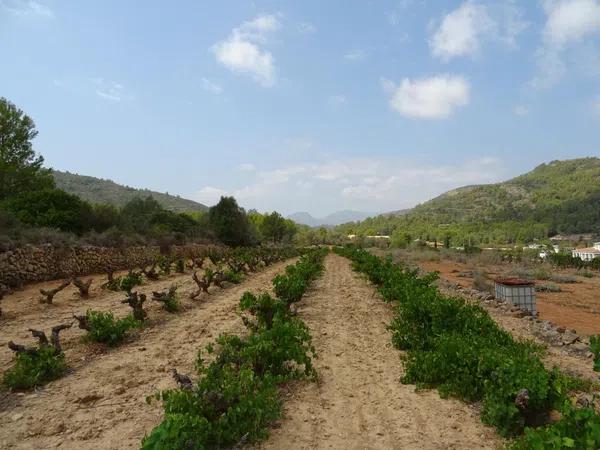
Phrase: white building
pixel 587 254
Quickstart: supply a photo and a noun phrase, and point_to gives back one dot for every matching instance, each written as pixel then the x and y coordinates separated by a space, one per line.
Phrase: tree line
pixel 32 207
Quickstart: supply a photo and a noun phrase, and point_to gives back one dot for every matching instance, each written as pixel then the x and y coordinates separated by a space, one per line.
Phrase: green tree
pixel 230 223
pixel 275 228
pixel 51 208
pixel 20 167
pixel 137 214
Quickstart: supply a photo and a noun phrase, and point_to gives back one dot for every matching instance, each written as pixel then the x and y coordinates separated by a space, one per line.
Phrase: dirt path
pixel 359 402
pixel 102 404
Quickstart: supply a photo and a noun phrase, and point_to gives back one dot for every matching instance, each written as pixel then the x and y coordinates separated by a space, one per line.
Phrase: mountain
pixel 336 218
pixel 97 190
pixel 557 197
pixel 304 218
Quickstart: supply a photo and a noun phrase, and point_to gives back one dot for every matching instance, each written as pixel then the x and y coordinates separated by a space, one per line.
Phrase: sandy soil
pixel 101 404
pixel 359 402
pixel 576 307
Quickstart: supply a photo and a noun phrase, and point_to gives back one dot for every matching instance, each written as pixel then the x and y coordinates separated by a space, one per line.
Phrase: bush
pixel 595 349
pixel 549 287
pixel 35 369
pixel 128 282
pixel 578 429
pixel 52 208
pixel 481 282
pixel 234 276
pixel 168 299
pixel 563 278
pixel 104 328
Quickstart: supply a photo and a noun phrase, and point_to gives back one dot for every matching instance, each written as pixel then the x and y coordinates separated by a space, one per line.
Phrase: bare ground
pixel 577 306
pixel 101 404
pixel 359 401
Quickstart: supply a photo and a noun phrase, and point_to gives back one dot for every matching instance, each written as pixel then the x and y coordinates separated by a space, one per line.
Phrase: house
pixel 587 254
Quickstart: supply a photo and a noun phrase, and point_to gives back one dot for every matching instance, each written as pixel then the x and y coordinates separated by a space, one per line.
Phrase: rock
pixel 16 417
pixel 569 338
pixel 585 400
pixel 520 313
pixel 561 329
pixel 580 348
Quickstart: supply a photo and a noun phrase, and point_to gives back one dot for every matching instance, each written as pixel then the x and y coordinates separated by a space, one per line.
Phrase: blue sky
pixel 305 106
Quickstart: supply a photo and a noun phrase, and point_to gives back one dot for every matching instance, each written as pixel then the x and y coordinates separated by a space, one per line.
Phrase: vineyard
pixel 276 348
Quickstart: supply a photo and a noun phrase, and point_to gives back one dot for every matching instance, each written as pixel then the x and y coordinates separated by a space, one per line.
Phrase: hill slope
pixel 561 196
pixel 97 190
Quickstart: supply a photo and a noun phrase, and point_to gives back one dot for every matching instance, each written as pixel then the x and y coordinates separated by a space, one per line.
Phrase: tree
pixel 230 223
pixel 20 167
pixel 275 228
pixel 51 208
pixel 137 214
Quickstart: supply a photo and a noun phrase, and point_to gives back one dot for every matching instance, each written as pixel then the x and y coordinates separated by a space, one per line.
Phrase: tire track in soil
pixel 359 401
pixel 102 404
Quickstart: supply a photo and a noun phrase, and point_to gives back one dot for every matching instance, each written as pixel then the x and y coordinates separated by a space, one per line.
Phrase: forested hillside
pixel 558 197
pixel 97 190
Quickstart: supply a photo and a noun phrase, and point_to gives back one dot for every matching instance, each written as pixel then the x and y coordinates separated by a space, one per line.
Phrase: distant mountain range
pixel 557 197
pixel 98 190
pixel 336 218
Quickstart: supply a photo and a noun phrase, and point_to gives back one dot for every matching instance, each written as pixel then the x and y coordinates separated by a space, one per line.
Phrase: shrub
pixel 234 276
pixel 578 429
pixel 563 278
pixel 33 369
pixel 595 349
pixel 169 299
pixel 549 287
pixel 481 282
pixel 103 327
pixel 128 282
pixel 180 265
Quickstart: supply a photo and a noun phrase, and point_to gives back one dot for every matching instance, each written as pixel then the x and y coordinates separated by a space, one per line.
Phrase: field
pixel 356 401
pixel 576 305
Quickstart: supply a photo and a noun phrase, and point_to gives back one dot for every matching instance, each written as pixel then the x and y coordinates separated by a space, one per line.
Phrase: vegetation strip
pixel 235 398
pixel 456 347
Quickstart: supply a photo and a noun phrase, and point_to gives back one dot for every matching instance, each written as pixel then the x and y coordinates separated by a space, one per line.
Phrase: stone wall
pixel 46 262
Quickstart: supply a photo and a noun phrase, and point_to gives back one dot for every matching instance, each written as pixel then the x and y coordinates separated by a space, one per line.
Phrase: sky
pixel 311 106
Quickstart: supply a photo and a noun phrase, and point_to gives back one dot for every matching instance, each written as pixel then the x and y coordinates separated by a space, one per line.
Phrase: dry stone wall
pixel 47 262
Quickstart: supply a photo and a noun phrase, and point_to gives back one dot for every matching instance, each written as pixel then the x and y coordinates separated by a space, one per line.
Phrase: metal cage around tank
pixel 520 293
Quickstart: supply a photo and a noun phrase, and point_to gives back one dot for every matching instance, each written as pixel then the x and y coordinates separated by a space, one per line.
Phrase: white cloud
pixel 460 31
pixel 246 167
pixel 521 110
pixel 337 100
pixel 242 51
pixel 209 86
pixel 355 55
pixel 209 195
pixel 570 20
pixel 110 90
pixel 568 23
pixel 463 31
pixel 373 183
pixel 428 98
pixel 25 8
pixel 306 28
